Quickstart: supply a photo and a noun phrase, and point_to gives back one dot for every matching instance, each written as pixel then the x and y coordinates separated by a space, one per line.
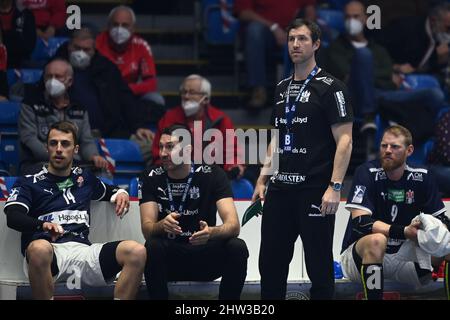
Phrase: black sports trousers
pixel 169 260
pixel 286 215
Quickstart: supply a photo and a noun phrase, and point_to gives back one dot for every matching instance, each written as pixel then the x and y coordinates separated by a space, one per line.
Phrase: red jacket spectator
pixel 18 32
pixel 273 10
pixel 135 63
pixel 47 12
pixel 214 118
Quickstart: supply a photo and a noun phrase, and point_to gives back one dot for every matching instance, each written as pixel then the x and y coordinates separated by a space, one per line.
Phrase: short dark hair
pixel 67 127
pixel 171 129
pixel 312 26
pixel 398 130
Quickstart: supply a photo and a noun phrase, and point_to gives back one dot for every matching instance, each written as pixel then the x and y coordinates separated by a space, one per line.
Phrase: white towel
pixel 409 251
pixel 433 238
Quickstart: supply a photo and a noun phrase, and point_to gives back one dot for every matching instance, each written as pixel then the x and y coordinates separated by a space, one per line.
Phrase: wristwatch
pixel 337 186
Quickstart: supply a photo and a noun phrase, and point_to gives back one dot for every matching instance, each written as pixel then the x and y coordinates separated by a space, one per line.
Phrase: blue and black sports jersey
pixel 393 202
pixel 61 200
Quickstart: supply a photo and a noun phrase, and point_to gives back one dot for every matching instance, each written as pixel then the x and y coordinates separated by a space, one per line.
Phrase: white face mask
pixel 54 87
pixel 119 35
pixel 190 107
pixel 80 59
pixel 353 26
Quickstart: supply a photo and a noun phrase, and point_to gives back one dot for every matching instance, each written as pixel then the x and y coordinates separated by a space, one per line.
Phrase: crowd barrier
pixel 105 226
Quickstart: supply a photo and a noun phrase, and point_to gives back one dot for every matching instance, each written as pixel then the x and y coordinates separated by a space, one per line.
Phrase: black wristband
pixel 397 232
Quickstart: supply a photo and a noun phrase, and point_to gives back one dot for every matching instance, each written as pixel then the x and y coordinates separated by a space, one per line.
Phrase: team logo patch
pixel 409 197
pixel 305 96
pixel 396 195
pixel 13 195
pixel 80 181
pixel 194 193
pixel 358 195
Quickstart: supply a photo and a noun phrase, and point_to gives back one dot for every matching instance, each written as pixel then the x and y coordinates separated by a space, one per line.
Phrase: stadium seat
pixel 134 187
pixel 421 152
pixel 128 158
pixel 43 51
pixel 24 75
pixel 242 189
pixel 217 28
pixel 9 152
pixel 332 18
pixel 9 114
pixel 420 81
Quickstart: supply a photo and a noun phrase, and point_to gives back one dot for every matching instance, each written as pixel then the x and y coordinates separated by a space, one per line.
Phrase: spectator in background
pixel 195 106
pixel 130 53
pixel 420 44
pixel 367 68
pixel 266 21
pixel 50 16
pixel 113 110
pixel 393 10
pixel 3 77
pixel 19 32
pixel 43 107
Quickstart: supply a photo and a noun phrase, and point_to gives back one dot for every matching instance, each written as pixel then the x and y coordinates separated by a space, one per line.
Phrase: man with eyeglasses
pixel 46 104
pixel 197 113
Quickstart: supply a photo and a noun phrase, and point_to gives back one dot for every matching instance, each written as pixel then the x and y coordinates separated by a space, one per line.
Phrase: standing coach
pixel 314 117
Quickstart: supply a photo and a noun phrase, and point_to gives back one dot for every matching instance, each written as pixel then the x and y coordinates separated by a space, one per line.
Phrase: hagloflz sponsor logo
pixel 66 217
